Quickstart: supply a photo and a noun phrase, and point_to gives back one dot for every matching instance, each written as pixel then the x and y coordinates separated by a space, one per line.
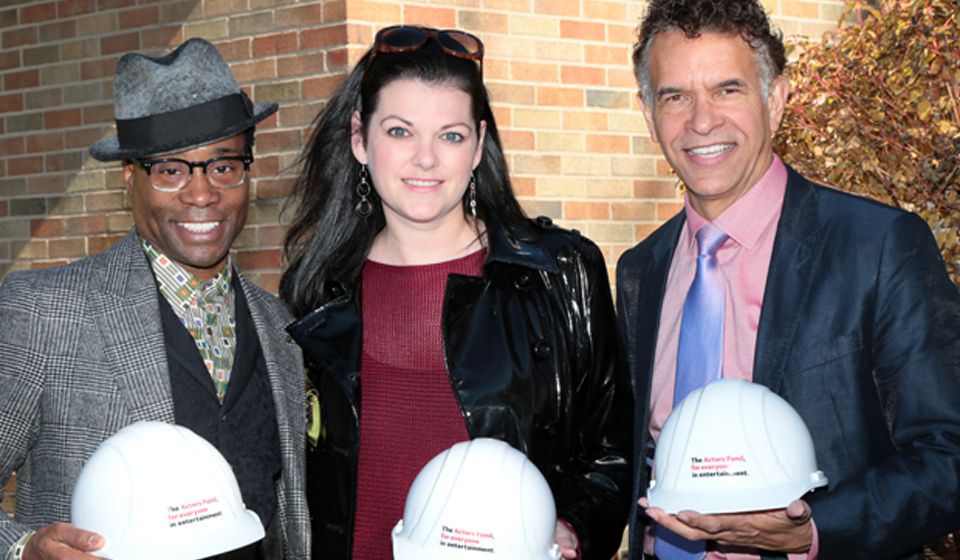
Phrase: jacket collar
pixel 527 250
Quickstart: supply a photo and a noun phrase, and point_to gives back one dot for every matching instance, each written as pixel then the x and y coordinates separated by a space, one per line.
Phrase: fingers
pixel 62 541
pixel 799 512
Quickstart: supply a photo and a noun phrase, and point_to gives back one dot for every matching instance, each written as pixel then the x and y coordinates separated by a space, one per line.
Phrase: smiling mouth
pixel 199 227
pixel 713 150
pixel 422 182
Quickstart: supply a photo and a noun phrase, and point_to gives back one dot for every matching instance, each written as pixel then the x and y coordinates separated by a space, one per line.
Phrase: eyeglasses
pixel 409 38
pixel 173 174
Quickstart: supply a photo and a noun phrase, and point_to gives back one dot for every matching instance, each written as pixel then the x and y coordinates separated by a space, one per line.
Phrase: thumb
pixel 86 541
pixel 799 512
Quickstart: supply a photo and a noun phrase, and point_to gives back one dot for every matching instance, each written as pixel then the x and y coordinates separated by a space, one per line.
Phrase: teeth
pixel 710 150
pixel 199 227
pixel 419 183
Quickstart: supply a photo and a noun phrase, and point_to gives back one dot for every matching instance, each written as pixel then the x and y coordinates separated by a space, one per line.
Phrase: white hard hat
pixel 479 499
pixel 733 446
pixel 159 491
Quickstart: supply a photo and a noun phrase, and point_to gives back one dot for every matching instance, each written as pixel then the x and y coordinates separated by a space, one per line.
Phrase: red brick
pixel 38 12
pixel 566 97
pixel 323 37
pixel 266 166
pixel 323 86
pixel 586 75
pixel 44 98
pixel 68 8
pixel 557 7
pixel 4 211
pixel 334 10
pixel 614 56
pixel 11 146
pixel 9 59
pixel 11 103
pixel 49 142
pixel 608 143
pixel 113 4
pixel 100 243
pixel 82 138
pixel 517 140
pixel 98 114
pixel 279 141
pixel 142 17
pixel 25 165
pixel 310 64
pixel 584 30
pixel 101 202
pixel 21 80
pixel 62 118
pixel 234 50
pixel 74 247
pixel 337 59
pixel 524 186
pixel 574 210
pixel 85 224
pixel 654 189
pixel 641 231
pixel 666 210
pixel 161 37
pixel 268 45
pixel 91 70
pixel 254 70
pixel 69 161
pixel 434 17
pixel 47 227
pixel 299 15
pixel 633 211
pixel 274 188
pixel 259 259
pixel 46 184
pixel 123 43
pixel 58 30
pixel 19 37
pixel 42 264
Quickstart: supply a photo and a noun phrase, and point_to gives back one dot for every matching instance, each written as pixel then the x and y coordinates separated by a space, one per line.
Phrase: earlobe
pixel 777 101
pixel 648 116
pixel 128 174
pixel 356 138
pixel 481 137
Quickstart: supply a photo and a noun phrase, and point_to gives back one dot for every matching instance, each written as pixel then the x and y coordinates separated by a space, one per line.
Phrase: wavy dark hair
pixel 744 17
pixel 327 240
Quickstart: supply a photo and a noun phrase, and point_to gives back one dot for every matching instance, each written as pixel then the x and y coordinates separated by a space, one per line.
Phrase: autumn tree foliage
pixel 875 110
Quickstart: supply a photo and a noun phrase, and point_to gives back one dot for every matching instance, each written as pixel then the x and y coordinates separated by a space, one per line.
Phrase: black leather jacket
pixel 542 316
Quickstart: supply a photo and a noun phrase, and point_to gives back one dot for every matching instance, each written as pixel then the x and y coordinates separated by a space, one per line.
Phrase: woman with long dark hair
pixel 420 284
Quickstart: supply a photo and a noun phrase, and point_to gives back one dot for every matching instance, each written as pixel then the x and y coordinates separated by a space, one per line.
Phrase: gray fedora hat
pixel 176 102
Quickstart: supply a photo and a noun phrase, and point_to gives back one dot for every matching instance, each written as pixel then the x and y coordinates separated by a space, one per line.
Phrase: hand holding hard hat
pixel 740 454
pixel 158 491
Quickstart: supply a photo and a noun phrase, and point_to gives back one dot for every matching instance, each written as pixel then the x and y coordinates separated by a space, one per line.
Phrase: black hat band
pixel 207 120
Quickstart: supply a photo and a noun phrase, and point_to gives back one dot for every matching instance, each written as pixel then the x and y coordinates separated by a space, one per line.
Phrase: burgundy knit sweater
pixel 408 411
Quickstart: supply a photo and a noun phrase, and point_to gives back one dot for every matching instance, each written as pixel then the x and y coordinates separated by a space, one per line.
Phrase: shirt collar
pixel 746 219
pixel 175 282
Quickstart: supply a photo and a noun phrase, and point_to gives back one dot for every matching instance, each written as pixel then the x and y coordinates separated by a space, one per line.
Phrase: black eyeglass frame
pixel 381 43
pixel 147 165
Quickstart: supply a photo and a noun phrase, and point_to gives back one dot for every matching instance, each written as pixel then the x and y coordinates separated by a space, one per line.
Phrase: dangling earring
pixel 473 195
pixel 364 207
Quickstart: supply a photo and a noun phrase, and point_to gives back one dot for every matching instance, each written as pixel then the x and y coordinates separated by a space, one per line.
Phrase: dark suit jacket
pixel 860 332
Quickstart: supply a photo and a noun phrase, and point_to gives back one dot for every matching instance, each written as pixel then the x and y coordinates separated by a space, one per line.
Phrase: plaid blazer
pixel 82 355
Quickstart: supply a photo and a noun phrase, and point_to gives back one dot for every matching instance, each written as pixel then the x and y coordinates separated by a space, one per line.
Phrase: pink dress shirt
pixel 744 259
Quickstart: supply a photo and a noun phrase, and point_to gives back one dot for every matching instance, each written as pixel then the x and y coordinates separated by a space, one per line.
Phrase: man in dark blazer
pixel 839 304
pixel 158 327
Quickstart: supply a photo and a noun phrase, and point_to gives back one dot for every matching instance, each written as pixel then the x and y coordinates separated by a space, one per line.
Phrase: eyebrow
pixel 410 124
pixel 732 82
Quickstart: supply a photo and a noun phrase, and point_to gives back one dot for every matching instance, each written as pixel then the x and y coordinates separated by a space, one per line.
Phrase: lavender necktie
pixel 699 357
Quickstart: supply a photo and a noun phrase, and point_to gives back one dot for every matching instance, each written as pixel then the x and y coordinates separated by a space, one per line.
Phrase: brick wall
pixel 558 71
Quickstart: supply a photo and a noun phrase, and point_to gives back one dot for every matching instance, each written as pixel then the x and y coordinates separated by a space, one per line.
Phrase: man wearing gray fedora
pixel 161 326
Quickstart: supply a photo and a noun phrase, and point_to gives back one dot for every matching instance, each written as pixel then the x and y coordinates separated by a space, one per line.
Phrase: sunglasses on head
pixel 409 38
